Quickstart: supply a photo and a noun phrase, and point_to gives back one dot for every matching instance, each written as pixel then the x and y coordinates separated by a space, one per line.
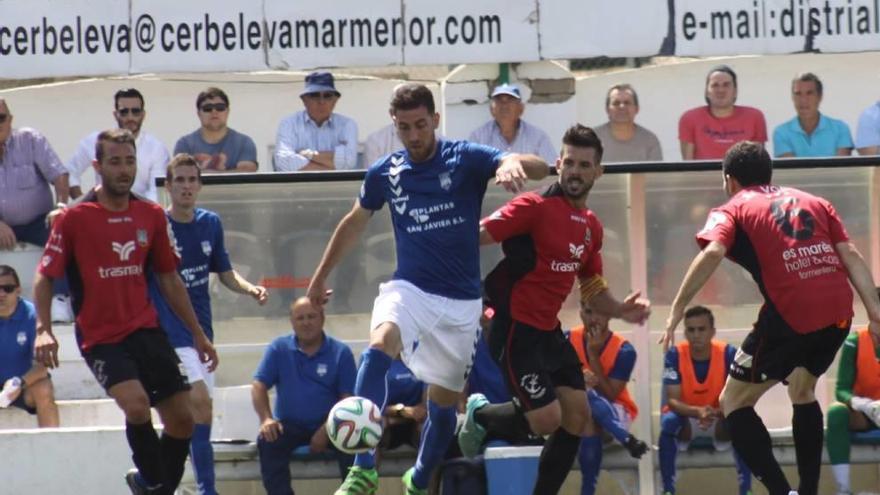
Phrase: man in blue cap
pixel 507 131
pixel 317 138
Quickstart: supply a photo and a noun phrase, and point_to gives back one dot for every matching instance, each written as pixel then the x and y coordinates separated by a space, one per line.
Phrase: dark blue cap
pixel 318 82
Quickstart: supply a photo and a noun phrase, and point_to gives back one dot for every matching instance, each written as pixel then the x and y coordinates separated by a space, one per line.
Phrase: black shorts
pixel 144 355
pixel 772 350
pixel 534 362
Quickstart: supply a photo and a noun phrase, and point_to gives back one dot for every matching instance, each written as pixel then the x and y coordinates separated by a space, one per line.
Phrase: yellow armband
pixel 592 286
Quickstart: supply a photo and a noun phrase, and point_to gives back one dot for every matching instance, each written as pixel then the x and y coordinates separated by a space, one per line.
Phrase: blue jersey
pixel 202 251
pixel 435 211
pixel 403 387
pixel 307 386
pixel 17 335
pixel 485 377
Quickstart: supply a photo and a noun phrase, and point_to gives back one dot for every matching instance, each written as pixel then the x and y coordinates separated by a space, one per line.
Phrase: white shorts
pixel 195 369
pixel 439 334
pixel 697 432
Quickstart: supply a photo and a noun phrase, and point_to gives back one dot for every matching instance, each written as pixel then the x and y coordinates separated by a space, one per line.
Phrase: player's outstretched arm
pixel 236 283
pixel 515 168
pixel 633 309
pixel 172 289
pixel 346 235
pixel 702 267
pixel 861 278
pixel 45 345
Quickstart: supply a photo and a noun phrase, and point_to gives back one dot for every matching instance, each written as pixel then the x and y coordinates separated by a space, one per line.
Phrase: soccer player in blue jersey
pixel 434 189
pixel 199 235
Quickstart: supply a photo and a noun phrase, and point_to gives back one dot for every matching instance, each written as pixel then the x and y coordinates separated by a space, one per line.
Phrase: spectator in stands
pixel 152 156
pixel 868 131
pixel 312 371
pixel 28 166
pixel 810 134
pixel 858 401
pixel 706 132
pixel 405 410
pixel 217 147
pixel 380 143
pixel 317 138
pixel 26 384
pixel 693 376
pixel 607 360
pixel 199 235
pixel 507 131
pixel 622 138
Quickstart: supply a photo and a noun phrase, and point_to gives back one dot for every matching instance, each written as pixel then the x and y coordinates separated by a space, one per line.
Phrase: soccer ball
pixel 354 425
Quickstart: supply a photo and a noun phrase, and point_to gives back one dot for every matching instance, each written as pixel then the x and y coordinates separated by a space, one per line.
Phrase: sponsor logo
pixel 119 271
pixel 445 181
pixel 322 369
pixel 21 338
pixel 578 218
pixel 419 217
pixel 206 248
pixel 46 260
pixel 565 266
pixel 670 374
pixel 98 371
pixel 123 250
pixel 119 220
pixel 142 237
pixel 532 386
pixel 576 251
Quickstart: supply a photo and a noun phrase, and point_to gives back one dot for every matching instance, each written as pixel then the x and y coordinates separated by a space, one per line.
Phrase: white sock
pixel 841 475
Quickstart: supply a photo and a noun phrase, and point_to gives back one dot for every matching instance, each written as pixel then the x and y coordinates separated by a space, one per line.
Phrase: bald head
pixel 307 321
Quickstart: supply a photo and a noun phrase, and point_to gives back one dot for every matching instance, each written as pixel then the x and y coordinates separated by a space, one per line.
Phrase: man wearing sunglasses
pixel 26 384
pixel 152 155
pixel 317 138
pixel 217 147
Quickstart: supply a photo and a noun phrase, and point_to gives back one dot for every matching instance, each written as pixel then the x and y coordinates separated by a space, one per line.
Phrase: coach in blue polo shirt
pixel 312 371
pixel 24 383
pixel 810 134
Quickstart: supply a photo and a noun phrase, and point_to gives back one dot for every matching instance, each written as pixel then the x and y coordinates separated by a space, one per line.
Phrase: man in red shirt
pixel 706 132
pixel 104 244
pixel 798 252
pixel 549 239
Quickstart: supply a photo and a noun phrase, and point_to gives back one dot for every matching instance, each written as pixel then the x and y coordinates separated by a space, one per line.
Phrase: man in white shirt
pixel 507 131
pixel 317 138
pixel 152 155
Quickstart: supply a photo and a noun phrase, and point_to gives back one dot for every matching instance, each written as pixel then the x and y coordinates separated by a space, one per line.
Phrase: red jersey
pixel 546 243
pixel 104 255
pixel 712 136
pixel 785 238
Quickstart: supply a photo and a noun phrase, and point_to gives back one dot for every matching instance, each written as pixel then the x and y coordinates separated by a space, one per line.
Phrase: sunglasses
pixel 3 117
pixel 134 111
pixel 210 107
pixel 9 289
pixel 325 95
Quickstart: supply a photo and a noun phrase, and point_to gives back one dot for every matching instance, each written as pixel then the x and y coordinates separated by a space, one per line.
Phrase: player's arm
pixel 632 309
pixel 608 387
pixel 861 278
pixel 236 283
pixel 673 400
pixel 515 168
pixel 270 428
pixel 45 345
pixel 174 292
pixel 702 267
pixel 485 237
pixel 687 150
pixel 346 235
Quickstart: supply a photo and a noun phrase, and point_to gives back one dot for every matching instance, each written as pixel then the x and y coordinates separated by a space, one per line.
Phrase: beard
pixel 117 188
pixel 576 188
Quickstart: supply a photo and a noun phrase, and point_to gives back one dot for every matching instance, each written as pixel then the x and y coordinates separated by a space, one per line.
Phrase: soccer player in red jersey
pixel 104 244
pixel 549 238
pixel 798 252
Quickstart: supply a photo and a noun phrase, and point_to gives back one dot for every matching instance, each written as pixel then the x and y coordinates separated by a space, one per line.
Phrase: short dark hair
pixel 211 92
pixel 749 163
pixel 127 93
pixel 8 271
pixel 119 136
pixel 412 96
pixel 719 68
pixel 807 77
pixel 181 160
pixel 621 87
pixel 583 137
pixel 700 311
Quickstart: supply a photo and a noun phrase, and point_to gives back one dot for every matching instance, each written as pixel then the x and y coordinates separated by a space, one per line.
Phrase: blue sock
pixel 605 416
pixel 372 383
pixel 202 456
pixel 437 434
pixel 743 474
pixel 590 459
pixel 670 426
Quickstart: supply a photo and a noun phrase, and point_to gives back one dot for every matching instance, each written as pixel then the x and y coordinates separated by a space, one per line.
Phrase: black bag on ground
pixel 462 476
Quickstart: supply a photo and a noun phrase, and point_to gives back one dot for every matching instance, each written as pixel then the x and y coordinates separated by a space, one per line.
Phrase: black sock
pixel 174 452
pixel 557 458
pixel 752 442
pixel 504 422
pixel 807 428
pixel 146 452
